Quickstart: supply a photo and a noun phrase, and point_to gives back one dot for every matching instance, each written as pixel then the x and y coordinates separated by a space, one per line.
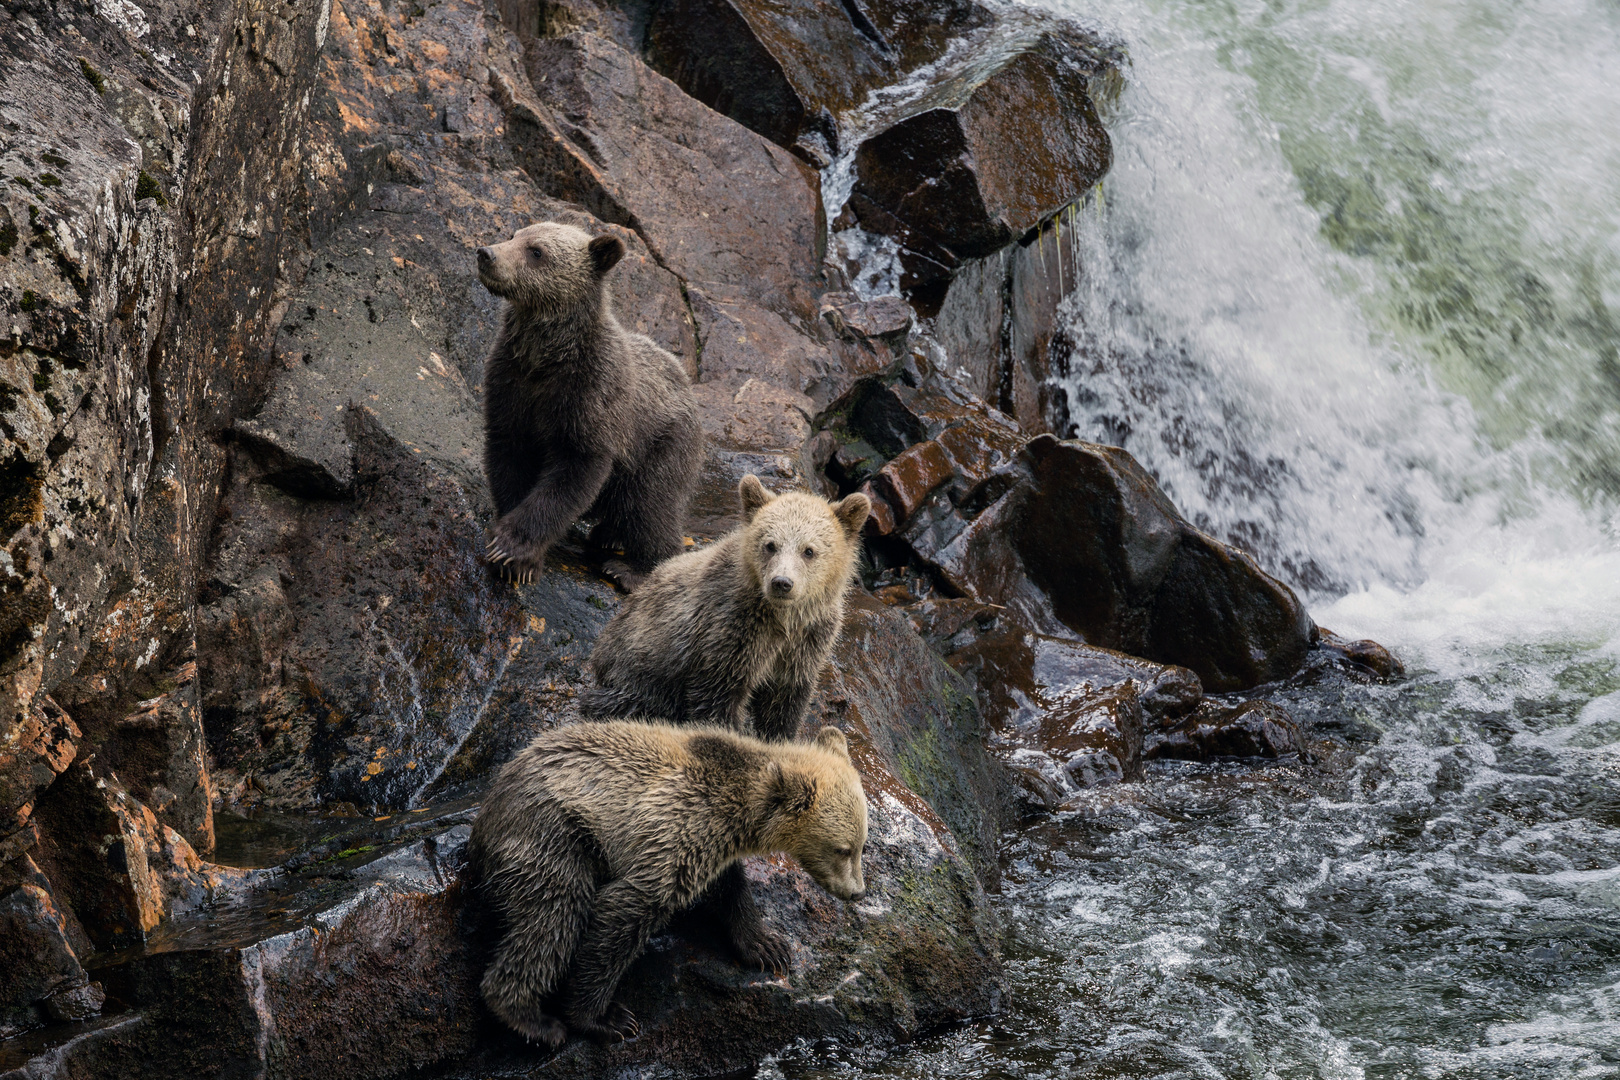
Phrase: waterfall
pixel 1352 293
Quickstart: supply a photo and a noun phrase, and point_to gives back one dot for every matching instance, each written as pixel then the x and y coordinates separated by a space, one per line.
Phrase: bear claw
pixel 518 569
pixel 547 1030
pixel 766 950
pixel 616 1024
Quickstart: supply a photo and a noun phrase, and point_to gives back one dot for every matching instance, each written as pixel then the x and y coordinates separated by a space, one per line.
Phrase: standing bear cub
pixel 595 835
pixel 739 630
pixel 581 417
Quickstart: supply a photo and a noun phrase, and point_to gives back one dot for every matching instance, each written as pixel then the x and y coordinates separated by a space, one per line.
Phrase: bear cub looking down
pixel 581 417
pixel 740 629
pixel 595 835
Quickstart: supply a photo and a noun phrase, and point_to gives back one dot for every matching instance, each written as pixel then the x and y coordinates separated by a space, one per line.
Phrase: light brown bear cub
pixel 736 631
pixel 581 417
pixel 595 835
pixel 739 630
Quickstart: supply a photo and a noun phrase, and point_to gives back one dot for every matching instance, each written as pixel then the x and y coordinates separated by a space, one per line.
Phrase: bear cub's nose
pixel 856 897
pixel 485 257
pixel 781 586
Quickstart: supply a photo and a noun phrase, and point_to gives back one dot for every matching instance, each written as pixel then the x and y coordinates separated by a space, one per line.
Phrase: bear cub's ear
pixel 831 739
pixel 851 513
pixel 606 251
pixel 753 496
pixel 792 794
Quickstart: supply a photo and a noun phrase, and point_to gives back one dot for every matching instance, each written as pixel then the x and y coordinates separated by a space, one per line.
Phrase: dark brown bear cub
pixel 581 417
pixel 596 834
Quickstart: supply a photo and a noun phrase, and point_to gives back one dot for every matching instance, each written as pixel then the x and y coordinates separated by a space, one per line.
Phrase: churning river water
pixel 1352 293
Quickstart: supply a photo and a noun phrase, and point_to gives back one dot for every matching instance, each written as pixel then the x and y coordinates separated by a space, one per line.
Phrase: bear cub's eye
pixel 536 252
pixel 843 852
pixel 771 547
pixel 809 553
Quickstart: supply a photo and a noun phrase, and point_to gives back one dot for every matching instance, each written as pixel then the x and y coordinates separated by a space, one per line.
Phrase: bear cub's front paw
pixel 518 560
pixel 760 947
pixel 616 1024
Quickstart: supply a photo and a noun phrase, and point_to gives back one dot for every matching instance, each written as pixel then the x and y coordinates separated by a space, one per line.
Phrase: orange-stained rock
pixel 37 960
pixel 32 753
pixel 881 521
pixel 911 476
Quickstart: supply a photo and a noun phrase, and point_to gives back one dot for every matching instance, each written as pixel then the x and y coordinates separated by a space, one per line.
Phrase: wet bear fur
pixel 581 417
pixel 736 632
pixel 596 834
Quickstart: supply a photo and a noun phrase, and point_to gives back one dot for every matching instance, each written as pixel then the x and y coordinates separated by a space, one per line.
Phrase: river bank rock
pixel 38 963
pixel 789 73
pixel 1066 715
pixel 943 178
pixel 999 316
pixel 241 506
pixel 1075 539
pixel 1252 729
pixel 244 983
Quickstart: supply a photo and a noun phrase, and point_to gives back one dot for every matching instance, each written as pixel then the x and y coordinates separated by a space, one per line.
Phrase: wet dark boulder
pixel 985 154
pixel 1072 538
pixel 999 318
pixel 1067 715
pixel 1363 656
pixel 1252 729
pixel 788 70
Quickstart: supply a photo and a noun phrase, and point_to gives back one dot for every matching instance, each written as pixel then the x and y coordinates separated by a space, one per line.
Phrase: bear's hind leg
pixel 626 914
pixel 648 509
pixel 546 905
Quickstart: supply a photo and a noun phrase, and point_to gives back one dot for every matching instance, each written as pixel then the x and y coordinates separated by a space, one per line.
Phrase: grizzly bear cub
pixel 740 629
pixel 581 417
pixel 596 834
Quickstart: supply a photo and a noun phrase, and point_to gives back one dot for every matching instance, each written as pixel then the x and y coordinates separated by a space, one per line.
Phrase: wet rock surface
pixel 1253 729
pixel 788 71
pixel 1075 539
pixel 986 154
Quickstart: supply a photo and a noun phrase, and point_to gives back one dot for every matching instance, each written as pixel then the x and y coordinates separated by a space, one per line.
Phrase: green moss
pixel 28 303
pixel 92 76
pixel 349 853
pixel 57 160
pixel 42 382
pixel 148 188
pixel 8 235
pixel 22 181
pixel 49 180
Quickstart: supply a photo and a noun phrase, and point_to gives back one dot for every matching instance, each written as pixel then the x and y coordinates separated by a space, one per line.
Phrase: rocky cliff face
pixel 241 500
